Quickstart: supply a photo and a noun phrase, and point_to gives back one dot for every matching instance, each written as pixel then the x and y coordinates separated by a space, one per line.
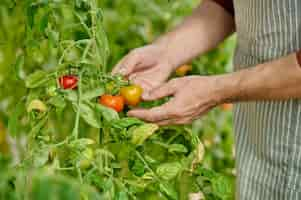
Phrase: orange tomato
pixel 227 106
pixel 114 102
pixel 183 70
pixel 132 94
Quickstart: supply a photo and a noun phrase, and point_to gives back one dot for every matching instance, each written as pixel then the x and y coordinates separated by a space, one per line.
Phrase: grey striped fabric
pixel 268 133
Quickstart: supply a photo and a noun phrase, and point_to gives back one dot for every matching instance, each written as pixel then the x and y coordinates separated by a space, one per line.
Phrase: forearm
pixel 275 80
pixel 202 31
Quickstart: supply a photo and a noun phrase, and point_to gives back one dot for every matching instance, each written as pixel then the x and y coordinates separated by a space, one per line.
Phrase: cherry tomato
pixel 227 106
pixel 87 158
pixel 51 91
pixel 132 94
pixel 114 102
pixel 183 70
pixel 68 82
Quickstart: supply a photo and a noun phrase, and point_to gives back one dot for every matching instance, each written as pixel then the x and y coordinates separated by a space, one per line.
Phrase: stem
pixel 80 175
pixel 76 126
pixel 173 137
pixel 147 166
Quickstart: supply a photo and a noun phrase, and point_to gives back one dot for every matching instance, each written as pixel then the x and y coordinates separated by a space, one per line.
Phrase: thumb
pixel 127 65
pixel 165 90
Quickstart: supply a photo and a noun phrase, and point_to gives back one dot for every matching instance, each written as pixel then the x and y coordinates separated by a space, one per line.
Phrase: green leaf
pixel 141 133
pixel 168 171
pixel 18 66
pixel 168 190
pixel 93 93
pixel 107 113
pixel 38 126
pixel 222 187
pixel 31 12
pixel 81 143
pixel 57 101
pixel 177 148
pixel 122 196
pixel 126 122
pixel 70 95
pixel 14 123
pixel 44 22
pixel 89 113
pixel 37 79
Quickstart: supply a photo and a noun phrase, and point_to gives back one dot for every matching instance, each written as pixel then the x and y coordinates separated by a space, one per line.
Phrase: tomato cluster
pixel 129 95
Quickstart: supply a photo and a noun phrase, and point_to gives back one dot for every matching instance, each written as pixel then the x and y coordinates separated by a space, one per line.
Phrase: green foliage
pixel 79 149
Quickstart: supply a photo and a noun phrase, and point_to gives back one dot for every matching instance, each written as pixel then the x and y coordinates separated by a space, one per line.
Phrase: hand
pixel 193 96
pixel 148 66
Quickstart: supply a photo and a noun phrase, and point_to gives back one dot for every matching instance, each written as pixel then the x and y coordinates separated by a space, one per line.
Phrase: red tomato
pixel 114 102
pixel 68 82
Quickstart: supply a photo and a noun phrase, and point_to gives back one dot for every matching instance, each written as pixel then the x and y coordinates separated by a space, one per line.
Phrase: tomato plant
pixel 69 146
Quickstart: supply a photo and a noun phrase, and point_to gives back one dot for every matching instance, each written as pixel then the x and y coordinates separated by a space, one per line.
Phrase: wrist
pixel 226 89
pixel 164 44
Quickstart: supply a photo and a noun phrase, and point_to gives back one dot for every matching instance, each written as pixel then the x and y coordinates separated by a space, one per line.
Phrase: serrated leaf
pixel 93 93
pixel 57 101
pixel 126 122
pixel 37 79
pixel 177 148
pixel 107 113
pixel 141 133
pixel 89 113
pixel 168 171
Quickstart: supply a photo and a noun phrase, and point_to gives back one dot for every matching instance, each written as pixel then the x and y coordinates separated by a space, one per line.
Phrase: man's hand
pixel 148 66
pixel 193 96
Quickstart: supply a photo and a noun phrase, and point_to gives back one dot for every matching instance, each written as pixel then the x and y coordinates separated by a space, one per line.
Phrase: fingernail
pixel 122 71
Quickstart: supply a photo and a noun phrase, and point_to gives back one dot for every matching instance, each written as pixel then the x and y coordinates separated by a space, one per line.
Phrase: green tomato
pixel 51 91
pixel 87 158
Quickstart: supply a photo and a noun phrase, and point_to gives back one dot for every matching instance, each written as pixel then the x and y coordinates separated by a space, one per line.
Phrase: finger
pixel 127 65
pixel 146 85
pixel 165 90
pixel 118 66
pixel 153 115
pixel 180 121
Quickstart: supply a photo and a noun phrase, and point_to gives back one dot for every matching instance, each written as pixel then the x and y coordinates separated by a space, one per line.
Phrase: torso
pixel 268 133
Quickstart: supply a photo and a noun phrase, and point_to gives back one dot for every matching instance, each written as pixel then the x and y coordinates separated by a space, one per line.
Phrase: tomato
pixel 132 94
pixel 68 82
pixel 51 91
pixel 114 102
pixel 227 106
pixel 87 158
pixel 183 70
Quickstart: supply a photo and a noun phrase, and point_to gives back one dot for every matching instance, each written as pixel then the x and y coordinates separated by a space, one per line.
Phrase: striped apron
pixel 268 133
